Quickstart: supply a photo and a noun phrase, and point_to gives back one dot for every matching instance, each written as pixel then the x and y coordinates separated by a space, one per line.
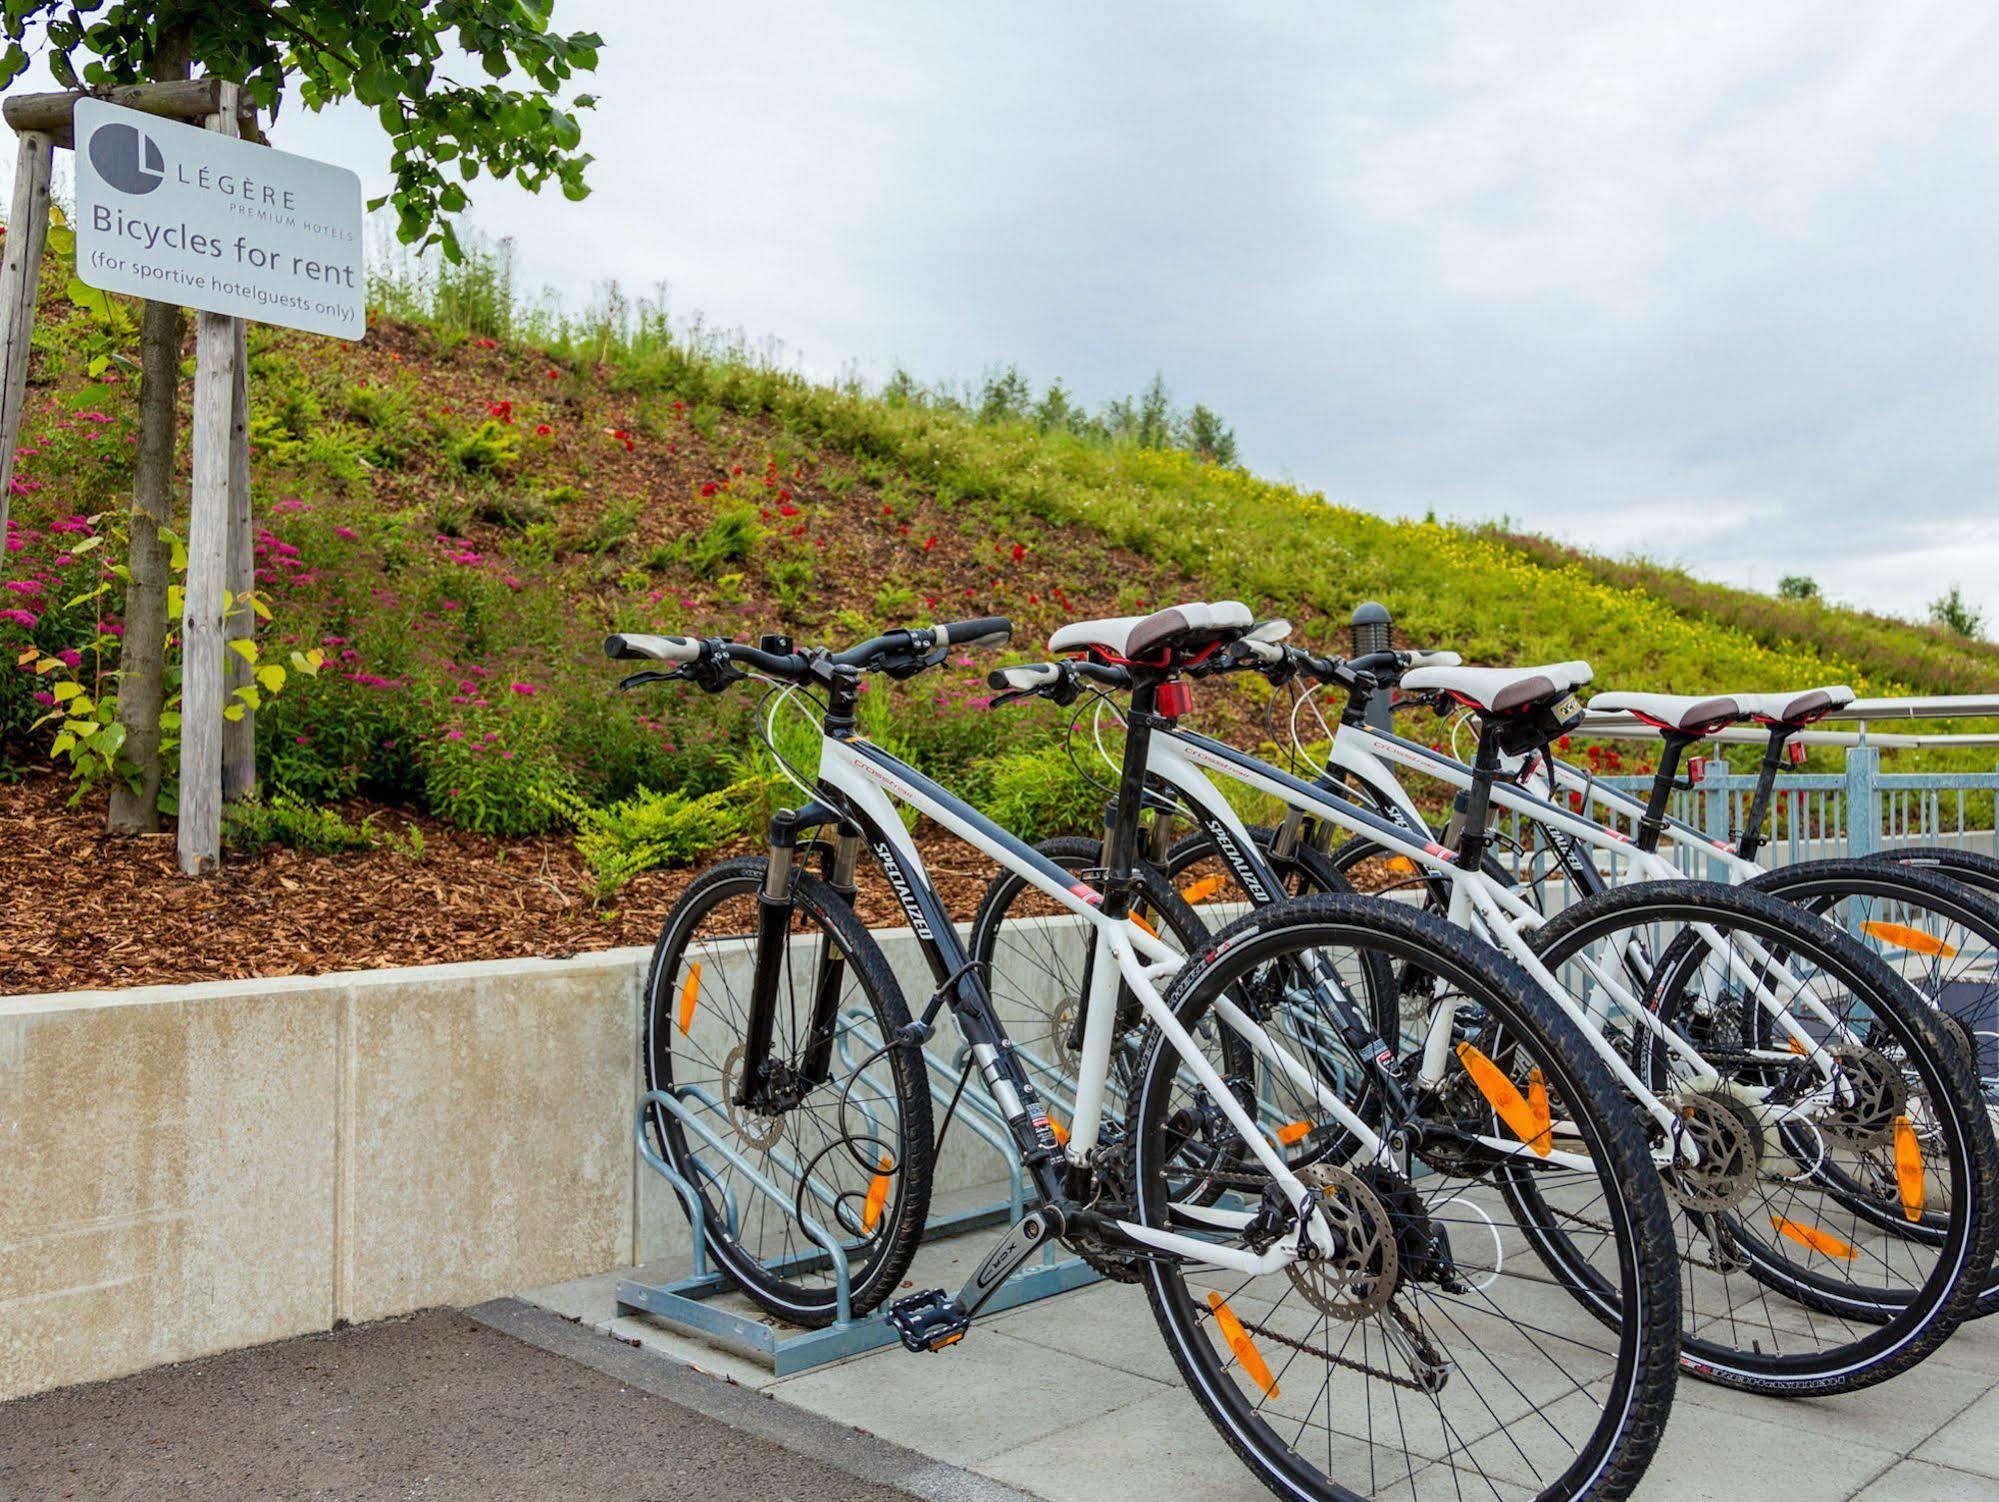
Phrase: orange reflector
pixel 689 990
pixel 1246 1354
pixel 1904 937
pixel 1061 1132
pixel 877 1193
pixel 1537 1097
pixel 1202 890
pixel 1293 1131
pixel 1909 1168
pixel 1797 1045
pixel 1505 1098
pixel 1823 1242
pixel 1140 921
pixel 1401 863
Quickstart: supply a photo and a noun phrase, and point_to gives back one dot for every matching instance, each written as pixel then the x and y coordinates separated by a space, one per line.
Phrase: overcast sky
pixel 1712 282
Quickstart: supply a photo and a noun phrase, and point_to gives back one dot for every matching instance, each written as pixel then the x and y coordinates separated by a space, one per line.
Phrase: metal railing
pixel 1856 812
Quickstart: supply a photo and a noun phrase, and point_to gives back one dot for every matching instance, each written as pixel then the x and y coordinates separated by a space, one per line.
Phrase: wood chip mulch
pixel 83 910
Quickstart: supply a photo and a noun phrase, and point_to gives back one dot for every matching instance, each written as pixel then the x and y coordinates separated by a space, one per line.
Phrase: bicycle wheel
pixel 846 1144
pixel 1942 939
pixel 1428 1356
pixel 1037 959
pixel 1787 1287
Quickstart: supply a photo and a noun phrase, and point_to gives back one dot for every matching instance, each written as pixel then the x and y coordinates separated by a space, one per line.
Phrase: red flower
pixel 708 490
pixel 1019 552
pixel 554 374
pixel 785 508
pixel 737 470
pixel 542 430
pixel 929 543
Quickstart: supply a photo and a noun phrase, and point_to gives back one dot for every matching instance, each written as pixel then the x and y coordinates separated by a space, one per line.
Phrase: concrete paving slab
pixel 1898 1415
pixel 1703 1455
pixel 988 1394
pixel 1919 1481
pixel 1164 1438
pixel 1969 1442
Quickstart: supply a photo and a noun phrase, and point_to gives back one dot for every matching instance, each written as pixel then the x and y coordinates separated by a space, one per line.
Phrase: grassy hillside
pixel 455 509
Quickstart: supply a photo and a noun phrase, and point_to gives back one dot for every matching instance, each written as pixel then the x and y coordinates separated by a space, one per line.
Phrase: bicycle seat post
pixel 1749 839
pixel 1665 782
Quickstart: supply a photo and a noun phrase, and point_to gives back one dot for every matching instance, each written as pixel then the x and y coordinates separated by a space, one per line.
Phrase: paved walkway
pixel 441 1406
pixel 1075 1399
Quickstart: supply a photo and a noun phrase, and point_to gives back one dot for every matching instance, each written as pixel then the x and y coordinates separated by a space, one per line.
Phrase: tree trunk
pixel 142 658
pixel 239 737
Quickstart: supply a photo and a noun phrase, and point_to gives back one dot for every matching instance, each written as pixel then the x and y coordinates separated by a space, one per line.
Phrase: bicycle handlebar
pixel 715 661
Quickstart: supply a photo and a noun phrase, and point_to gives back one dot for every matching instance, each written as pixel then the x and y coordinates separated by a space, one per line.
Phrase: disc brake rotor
pixel 1730 1144
pixel 758 1130
pixel 1361 1280
pixel 1875 1094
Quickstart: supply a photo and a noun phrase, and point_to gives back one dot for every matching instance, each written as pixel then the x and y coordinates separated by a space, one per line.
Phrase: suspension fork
pixel 830 971
pixel 774 910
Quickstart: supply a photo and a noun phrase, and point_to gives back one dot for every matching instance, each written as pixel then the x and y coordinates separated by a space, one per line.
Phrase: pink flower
pixel 70 657
pixel 347 532
pixel 454 735
pixel 524 689
pixel 24 586
pixel 44 698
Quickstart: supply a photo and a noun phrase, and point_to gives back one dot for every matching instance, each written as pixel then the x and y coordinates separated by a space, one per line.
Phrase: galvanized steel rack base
pixel 684 1304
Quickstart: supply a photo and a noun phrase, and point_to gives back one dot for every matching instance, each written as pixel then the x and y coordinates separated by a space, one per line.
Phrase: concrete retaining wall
pixel 188 1169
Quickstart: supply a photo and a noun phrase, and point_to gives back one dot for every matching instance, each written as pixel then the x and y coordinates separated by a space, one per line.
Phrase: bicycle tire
pixel 883 1224
pixel 1635 1395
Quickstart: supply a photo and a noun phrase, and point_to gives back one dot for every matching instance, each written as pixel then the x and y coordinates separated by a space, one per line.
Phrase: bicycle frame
pixel 859 785
pixel 1369 755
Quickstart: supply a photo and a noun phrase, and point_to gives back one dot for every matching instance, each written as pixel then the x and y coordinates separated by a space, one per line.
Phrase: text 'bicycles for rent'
pixel 1331 1246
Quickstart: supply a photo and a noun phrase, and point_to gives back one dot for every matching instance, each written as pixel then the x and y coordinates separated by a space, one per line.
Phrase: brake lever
pixel 651 675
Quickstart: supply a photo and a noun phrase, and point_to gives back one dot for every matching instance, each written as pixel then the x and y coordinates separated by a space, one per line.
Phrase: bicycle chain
pixel 1424 1349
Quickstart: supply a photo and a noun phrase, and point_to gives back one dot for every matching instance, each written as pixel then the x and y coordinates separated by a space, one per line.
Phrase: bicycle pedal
pixel 928 1321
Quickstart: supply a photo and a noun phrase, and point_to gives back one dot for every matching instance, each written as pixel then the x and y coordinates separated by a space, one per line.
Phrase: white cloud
pixel 1711 281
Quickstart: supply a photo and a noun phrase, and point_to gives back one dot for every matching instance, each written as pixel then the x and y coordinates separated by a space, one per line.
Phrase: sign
pixel 190 216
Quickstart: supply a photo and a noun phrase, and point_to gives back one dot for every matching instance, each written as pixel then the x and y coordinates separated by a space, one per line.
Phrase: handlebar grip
pixel 987 631
pixel 632 644
pixel 1025 679
pixel 1417 658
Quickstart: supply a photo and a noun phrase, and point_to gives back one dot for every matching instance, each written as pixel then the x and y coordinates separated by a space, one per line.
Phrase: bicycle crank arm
pixel 932 1320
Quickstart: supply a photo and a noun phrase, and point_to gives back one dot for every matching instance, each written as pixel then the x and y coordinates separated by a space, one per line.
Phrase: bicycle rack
pixel 684 1304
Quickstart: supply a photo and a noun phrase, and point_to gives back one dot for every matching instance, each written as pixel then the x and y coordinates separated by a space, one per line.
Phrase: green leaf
pixel 64 692
pixel 232 712
pixel 375 84
pixel 247 650
pixel 249 695
pixel 61 238
pixel 97 304
pixel 271 676
pixel 109 740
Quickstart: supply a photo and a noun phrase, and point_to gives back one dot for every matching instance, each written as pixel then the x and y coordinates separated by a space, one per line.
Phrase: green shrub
pixel 285 819
pixel 486 449
pixel 729 538
pixel 653 828
pixel 1039 793
pixel 495 772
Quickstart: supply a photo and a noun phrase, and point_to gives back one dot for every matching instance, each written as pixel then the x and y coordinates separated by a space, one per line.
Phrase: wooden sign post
pixel 216 755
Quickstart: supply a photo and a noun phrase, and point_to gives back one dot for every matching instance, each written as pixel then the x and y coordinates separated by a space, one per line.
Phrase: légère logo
pixel 127 159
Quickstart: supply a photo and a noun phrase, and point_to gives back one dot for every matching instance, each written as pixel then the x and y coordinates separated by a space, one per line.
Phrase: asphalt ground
pixel 440 1406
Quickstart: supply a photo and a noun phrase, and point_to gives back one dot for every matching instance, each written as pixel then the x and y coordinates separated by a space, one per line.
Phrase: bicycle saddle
pixel 1693 714
pixel 1499 691
pixel 1178 628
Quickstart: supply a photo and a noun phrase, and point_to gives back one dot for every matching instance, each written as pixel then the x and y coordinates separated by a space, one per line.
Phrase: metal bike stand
pixel 684 1304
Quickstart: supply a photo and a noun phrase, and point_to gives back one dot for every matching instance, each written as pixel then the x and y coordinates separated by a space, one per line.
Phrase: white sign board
pixel 179 214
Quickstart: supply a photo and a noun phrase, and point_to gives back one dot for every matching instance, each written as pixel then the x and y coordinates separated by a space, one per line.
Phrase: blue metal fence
pixel 1858 811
